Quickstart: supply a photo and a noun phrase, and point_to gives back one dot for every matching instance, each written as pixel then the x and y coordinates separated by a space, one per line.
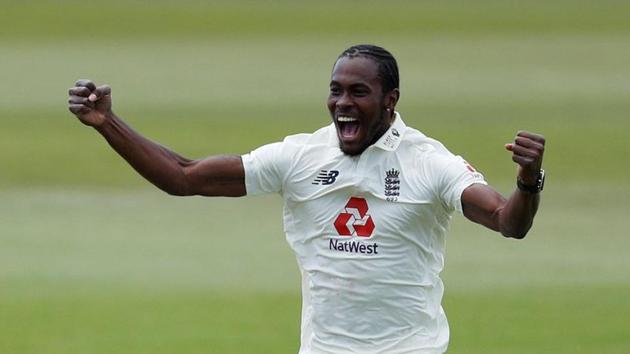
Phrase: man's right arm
pixel 213 176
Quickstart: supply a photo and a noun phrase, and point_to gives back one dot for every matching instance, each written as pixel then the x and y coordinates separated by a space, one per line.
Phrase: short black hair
pixel 387 66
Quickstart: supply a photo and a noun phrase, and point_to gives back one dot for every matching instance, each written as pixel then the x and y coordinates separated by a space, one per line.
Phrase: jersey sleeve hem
pixel 248 166
pixel 461 188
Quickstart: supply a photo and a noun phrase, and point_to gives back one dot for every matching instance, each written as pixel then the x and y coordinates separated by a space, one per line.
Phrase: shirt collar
pixel 389 141
pixel 392 137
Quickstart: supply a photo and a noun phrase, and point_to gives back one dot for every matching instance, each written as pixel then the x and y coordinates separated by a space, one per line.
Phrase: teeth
pixel 346 119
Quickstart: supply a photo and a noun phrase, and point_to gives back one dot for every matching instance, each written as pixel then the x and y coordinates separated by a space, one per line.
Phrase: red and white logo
pixel 470 167
pixel 355 220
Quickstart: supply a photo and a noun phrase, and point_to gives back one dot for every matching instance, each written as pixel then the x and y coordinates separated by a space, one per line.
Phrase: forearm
pixel 222 175
pixel 512 217
pixel 159 165
pixel 516 217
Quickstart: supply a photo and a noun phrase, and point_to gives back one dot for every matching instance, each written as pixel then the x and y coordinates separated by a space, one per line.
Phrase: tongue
pixel 350 129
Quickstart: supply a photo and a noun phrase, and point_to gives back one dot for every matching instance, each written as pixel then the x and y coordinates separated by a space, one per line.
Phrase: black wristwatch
pixel 536 188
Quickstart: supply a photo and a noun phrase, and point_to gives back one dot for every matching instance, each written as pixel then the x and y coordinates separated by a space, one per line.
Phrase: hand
pixel 91 104
pixel 527 151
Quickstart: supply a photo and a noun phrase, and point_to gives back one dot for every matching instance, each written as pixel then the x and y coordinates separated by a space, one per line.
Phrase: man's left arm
pixel 512 217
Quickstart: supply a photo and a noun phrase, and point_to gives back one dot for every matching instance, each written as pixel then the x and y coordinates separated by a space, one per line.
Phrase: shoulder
pixel 432 162
pixel 423 147
pixel 287 152
pixel 294 146
pixel 318 137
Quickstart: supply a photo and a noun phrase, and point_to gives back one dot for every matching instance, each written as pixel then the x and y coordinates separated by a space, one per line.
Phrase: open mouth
pixel 348 127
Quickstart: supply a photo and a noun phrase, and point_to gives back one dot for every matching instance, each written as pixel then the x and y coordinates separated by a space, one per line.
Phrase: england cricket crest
pixel 392 185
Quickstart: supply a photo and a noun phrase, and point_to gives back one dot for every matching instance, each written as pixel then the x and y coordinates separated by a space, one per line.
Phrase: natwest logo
pixel 355 220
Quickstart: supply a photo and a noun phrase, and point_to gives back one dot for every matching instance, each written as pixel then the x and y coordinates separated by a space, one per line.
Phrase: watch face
pixel 541 180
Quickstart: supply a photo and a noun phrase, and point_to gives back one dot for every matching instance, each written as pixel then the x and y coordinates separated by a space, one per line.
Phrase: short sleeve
pixel 456 176
pixel 265 169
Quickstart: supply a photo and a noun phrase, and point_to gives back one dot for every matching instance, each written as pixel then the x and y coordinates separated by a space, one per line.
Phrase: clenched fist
pixel 527 151
pixel 91 104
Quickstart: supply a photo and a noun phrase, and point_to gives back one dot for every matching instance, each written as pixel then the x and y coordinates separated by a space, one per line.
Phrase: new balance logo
pixel 326 177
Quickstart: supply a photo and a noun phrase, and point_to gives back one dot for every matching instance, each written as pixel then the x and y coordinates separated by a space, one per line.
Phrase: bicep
pixel 221 175
pixel 482 204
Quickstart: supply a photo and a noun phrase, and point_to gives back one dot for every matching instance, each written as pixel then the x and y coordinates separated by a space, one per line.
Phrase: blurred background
pixel 93 259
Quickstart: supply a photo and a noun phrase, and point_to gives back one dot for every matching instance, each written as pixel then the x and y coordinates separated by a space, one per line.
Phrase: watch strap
pixel 533 189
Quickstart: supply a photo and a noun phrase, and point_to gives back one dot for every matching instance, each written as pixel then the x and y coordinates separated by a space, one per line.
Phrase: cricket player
pixel 367 203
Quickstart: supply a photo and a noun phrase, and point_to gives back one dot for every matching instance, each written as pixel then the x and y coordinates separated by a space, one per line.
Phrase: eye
pixel 360 93
pixel 335 91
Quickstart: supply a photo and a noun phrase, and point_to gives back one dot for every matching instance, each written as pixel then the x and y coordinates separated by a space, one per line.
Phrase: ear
pixel 391 99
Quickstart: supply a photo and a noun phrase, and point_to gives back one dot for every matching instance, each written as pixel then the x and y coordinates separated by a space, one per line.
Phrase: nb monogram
pixel 326 177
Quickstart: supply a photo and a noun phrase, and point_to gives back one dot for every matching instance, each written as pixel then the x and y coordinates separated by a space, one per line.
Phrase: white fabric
pixel 376 294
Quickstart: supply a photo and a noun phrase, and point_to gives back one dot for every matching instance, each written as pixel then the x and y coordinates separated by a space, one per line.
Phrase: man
pixel 367 205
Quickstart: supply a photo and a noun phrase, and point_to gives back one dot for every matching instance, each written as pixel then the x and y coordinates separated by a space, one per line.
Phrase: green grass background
pixel 94 260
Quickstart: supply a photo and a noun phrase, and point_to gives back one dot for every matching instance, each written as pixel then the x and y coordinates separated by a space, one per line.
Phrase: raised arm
pixel 213 176
pixel 512 217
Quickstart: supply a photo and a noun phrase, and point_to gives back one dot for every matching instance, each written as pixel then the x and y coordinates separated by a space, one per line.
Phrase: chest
pixel 373 194
pixel 387 176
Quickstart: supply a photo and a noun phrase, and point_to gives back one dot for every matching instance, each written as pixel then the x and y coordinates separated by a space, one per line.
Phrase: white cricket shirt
pixel 368 232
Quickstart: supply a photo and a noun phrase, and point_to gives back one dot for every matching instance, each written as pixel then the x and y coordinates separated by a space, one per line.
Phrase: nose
pixel 344 101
